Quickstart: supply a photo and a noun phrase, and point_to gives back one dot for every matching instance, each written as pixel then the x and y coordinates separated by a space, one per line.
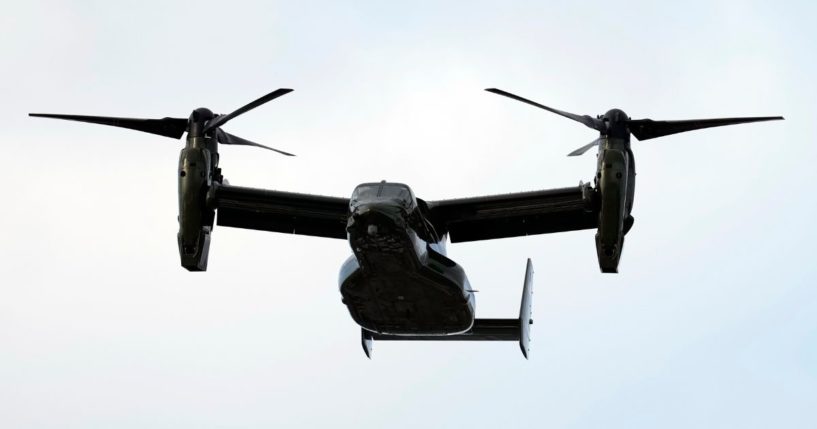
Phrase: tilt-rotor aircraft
pixel 399 283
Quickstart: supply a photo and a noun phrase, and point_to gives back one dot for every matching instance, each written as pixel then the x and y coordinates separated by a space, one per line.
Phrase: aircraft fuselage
pixel 398 280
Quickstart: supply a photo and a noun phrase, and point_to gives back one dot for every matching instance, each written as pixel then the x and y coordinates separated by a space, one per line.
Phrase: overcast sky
pixel 710 323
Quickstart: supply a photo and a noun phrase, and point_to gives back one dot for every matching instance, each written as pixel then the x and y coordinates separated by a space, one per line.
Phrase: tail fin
pixel 482 330
pixel 526 310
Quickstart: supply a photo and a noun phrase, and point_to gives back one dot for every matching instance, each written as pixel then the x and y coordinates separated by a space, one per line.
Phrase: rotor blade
pixel 645 129
pixel 584 148
pixel 584 119
pixel 226 138
pixel 221 120
pixel 168 127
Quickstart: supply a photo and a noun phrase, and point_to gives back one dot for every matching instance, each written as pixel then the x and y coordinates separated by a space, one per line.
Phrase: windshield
pixel 381 192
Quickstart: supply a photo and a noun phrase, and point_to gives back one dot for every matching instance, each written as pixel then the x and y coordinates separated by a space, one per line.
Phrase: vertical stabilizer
pixel 525 311
pixel 366 342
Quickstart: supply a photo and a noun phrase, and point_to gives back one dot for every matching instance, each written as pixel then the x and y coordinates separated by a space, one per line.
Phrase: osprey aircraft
pixel 399 283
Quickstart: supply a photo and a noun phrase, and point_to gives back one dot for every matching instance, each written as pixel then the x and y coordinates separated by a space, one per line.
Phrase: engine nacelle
pixel 612 185
pixel 195 218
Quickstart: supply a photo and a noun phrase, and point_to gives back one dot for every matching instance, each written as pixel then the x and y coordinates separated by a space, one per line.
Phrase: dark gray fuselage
pixel 399 281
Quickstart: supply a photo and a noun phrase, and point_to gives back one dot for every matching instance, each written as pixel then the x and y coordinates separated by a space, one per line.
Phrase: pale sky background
pixel 710 324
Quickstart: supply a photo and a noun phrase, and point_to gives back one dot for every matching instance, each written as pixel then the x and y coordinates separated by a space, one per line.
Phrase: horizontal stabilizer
pixel 482 330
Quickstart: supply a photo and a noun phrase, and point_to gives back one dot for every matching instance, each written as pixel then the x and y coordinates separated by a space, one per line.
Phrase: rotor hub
pixel 197 121
pixel 615 120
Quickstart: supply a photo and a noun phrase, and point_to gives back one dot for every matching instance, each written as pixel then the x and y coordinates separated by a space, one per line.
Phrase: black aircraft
pixel 399 283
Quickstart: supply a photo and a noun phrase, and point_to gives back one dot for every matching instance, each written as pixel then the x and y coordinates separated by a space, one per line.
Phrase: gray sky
pixel 711 322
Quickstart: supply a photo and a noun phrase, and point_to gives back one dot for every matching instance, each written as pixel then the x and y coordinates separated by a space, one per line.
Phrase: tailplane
pixel 482 330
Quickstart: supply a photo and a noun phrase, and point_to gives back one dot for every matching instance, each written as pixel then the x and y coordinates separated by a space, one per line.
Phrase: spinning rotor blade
pixel 168 127
pixel 221 120
pixel 584 148
pixel 227 138
pixel 645 129
pixel 585 119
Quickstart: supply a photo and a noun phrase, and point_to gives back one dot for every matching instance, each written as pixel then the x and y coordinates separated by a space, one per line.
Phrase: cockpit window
pixel 383 191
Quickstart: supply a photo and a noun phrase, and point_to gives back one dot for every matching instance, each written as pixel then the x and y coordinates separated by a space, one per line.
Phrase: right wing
pixel 278 211
pixel 514 215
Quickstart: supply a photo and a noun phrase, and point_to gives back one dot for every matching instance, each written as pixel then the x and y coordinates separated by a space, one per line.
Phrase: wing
pixel 278 211
pixel 514 215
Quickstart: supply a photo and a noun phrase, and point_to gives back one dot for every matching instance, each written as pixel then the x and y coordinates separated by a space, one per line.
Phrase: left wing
pixel 279 211
pixel 514 215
